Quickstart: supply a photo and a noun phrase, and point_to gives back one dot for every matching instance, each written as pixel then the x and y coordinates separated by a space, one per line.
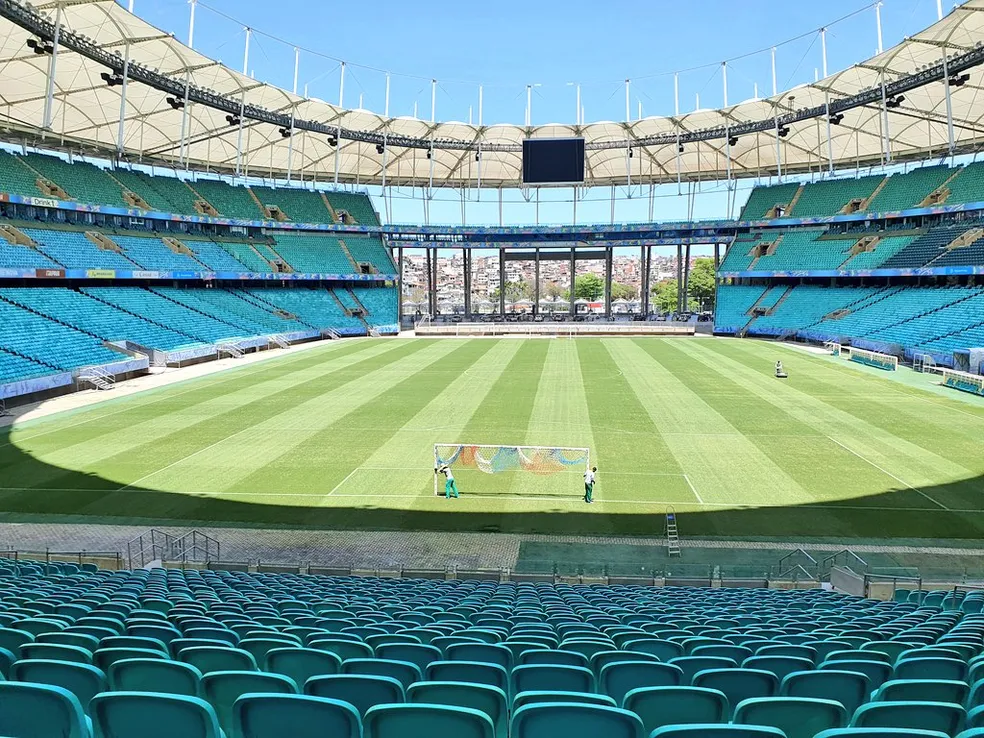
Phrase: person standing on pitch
pixel 449 485
pixel 589 483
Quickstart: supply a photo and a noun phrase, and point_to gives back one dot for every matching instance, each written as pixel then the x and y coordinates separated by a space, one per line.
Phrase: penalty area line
pixel 693 489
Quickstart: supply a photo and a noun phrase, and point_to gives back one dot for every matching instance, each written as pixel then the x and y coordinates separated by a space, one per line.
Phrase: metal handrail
pixel 792 553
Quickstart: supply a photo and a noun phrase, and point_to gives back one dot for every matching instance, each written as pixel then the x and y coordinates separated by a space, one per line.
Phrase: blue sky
pixel 507 44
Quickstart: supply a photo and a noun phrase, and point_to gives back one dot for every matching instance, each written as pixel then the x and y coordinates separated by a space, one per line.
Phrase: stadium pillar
pixel 430 276
pixel 399 287
pixel 536 282
pixel 679 278
pixel 502 283
pixel 686 279
pixel 949 104
pixel 646 279
pixel 49 95
pixel 717 257
pixel 434 281
pixel 571 310
pixel 608 281
pixel 466 258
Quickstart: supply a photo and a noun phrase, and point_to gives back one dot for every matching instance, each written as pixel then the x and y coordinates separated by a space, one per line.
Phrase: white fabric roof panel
pixel 85 114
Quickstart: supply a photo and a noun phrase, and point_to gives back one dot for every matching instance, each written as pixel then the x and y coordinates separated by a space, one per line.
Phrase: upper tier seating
pixel 165 194
pixel 829 197
pixel 72 250
pixel 300 206
pixel 82 181
pixel 213 256
pixel 266 655
pixel 17 178
pixel 799 249
pixel 763 199
pixel 314 253
pixel 15 256
pixel 153 253
pixel 370 249
pixel 248 255
pixel 356 204
pixel 231 201
pixel 908 190
pixel 886 248
pixel 968 186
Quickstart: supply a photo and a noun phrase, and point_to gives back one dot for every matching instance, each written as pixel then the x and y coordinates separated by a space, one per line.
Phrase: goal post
pixel 488 469
pixel 833 347
pixel 874 358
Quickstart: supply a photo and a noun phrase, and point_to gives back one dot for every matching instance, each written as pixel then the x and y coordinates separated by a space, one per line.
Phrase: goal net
pixel 553 471
pixel 874 358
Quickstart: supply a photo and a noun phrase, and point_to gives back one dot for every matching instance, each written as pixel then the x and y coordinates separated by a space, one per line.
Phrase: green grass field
pixel 341 436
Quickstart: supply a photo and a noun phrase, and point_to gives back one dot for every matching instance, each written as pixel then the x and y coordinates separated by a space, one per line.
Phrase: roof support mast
pixel 676 122
pixel 242 104
pixel 478 155
pixel 126 75
pixel 338 120
pixel 290 137
pixel 386 112
pixel 826 97
pixel 949 104
pixel 183 153
pixel 628 146
pixel 49 95
pixel 727 135
pixel 775 93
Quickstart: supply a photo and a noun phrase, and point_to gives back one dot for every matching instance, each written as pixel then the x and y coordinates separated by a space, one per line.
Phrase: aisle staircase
pixel 98 377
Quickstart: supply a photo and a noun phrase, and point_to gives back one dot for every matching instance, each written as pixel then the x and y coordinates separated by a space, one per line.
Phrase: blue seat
pixel 218 658
pixel 925 690
pixel 488 653
pixel 155 675
pixel 876 671
pixel 344 649
pixel 468 671
pixel 357 689
pixel 620 677
pixel 884 733
pixel 426 721
pixel 738 684
pixel 778 665
pixel 223 688
pixel 533 698
pixel 419 654
pixel 553 657
pixel 928 668
pixel 690 665
pixel 717 731
pixel 297 716
pixel 850 688
pixel 403 671
pixel 490 700
pixel 55 652
pixel 539 677
pixel 573 720
pixel 797 717
pixel 82 680
pixel 942 716
pixel 149 715
pixel 40 711
pixel 661 706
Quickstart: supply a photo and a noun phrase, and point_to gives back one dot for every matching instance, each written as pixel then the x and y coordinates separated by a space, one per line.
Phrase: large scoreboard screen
pixel 553 161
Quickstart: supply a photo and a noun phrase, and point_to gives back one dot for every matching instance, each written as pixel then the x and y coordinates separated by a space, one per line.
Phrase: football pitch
pixel 341 436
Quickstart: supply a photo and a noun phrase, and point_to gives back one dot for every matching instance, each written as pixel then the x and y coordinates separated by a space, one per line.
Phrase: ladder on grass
pixel 672 536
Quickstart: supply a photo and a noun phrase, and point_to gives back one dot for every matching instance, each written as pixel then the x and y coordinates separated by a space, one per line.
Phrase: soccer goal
pixel 873 358
pixel 549 471
pixel 833 347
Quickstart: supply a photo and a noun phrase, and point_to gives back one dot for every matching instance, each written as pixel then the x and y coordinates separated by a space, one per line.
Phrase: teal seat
pixel 533 698
pixel 155 675
pixel 212 634
pixel 573 720
pixel 129 641
pixel 297 716
pixel 403 671
pixel 735 653
pixel 975 717
pixel 924 690
pixel 54 652
pixel 516 648
pixel 487 653
pixel 552 657
pixel 690 665
pixel 778 665
pixel 67 638
pixel 786 649
pixel 587 647
pixel 892 649
pixel 12 639
pixel 259 647
pixel 149 715
pixel 620 677
pixel 426 721
pixel 858 654
pixel 601 659
pixel 300 664
pixel 927 668
pixel 419 654
pixel 468 671
pixel 359 690
pixel 223 688
pixel 797 717
pixel 82 680
pixel 218 658
pixel 850 688
pixel 884 733
pixel 663 650
pixel 106 657
pixel 30 710
pixel 876 671
pixel 344 649
pixel 37 626
pixel 164 634
pixel 661 706
pixel 738 684
pixel 717 731
pixel 489 700
pixel 539 677
pixel 945 717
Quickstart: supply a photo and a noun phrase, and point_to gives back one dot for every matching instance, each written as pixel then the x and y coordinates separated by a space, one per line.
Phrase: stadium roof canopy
pixel 894 105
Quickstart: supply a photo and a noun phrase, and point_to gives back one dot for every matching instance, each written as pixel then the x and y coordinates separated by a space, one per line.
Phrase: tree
pixel 589 287
pixel 515 291
pixel 701 283
pixel 624 291
pixel 555 290
pixel 665 295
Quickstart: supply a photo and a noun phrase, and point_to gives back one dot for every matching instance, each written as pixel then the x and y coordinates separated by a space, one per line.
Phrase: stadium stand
pixel 82 181
pixel 153 253
pixel 212 255
pixel 314 306
pixel 763 200
pixel 968 186
pixel 733 307
pixel 379 302
pixel 314 253
pixel 369 249
pixel 909 190
pixel 74 250
pixel 832 196
pixel 165 194
pixel 16 178
pixel 355 204
pixel 231 201
pixel 797 249
pixel 245 654
pixel 300 206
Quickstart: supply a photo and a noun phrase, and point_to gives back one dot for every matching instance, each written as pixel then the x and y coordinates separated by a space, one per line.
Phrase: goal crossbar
pixel 538 461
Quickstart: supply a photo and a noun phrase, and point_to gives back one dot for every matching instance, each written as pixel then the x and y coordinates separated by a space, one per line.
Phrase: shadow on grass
pixel 34 491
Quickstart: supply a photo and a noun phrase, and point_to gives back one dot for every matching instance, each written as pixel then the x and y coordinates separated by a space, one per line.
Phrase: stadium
pixel 318 419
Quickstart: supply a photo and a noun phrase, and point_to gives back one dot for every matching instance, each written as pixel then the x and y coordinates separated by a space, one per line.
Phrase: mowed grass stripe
pixel 129 453
pixel 818 464
pixel 740 472
pixel 54 432
pixel 402 465
pixel 906 465
pixel 325 459
pixel 626 442
pixel 238 458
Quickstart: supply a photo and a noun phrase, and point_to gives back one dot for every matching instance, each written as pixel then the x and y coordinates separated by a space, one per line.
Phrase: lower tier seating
pixel 210 654
pixel 937 320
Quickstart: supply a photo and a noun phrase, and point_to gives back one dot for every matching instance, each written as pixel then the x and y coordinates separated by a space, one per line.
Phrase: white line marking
pixel 888 473
pixel 693 489
pixel 347 476
pixel 514 497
